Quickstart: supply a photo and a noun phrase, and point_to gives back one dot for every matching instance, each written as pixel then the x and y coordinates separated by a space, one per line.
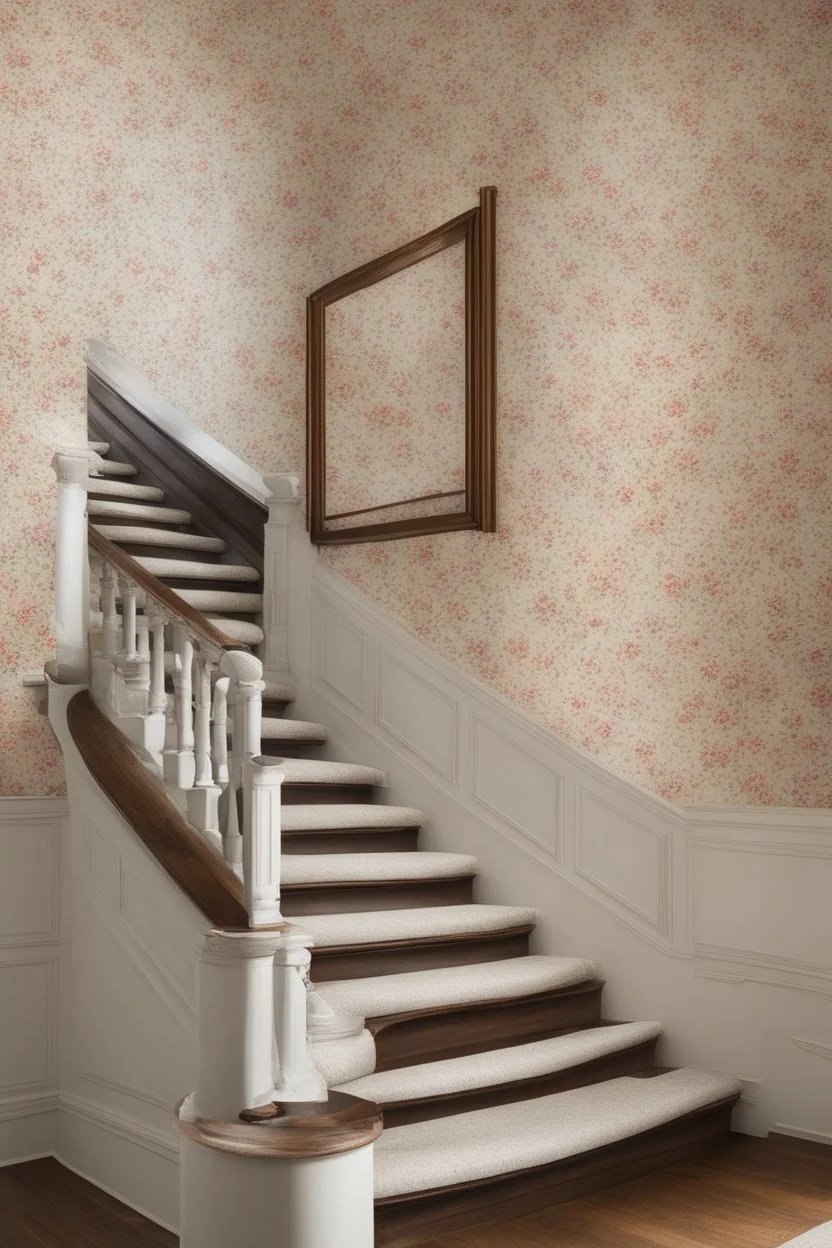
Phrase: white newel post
pixel 284 514
pixel 262 781
pixel 204 797
pixel 71 579
pixel 245 696
pixel 178 762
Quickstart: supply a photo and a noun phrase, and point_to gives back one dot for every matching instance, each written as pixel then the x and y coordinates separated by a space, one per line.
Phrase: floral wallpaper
pixel 177 177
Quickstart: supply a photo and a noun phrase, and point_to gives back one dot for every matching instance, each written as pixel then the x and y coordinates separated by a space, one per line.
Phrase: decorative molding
pixel 514 781
pixel 333 676
pixel 163 1143
pixel 45 1029
pixel 659 919
pixel 788 981
pixel 27 1105
pixel 814 1046
pixel 439 746
pixel 126 1089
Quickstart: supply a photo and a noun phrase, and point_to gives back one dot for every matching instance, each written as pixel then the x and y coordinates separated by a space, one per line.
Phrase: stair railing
pixel 252 980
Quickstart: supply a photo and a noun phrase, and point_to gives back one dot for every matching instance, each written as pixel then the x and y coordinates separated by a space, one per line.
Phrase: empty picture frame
pixel 401 437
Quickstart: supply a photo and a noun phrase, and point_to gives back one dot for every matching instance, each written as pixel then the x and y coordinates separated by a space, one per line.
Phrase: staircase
pixel 504 1087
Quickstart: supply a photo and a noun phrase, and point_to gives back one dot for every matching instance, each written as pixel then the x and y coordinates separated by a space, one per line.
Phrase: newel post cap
pixel 71 467
pixel 243 668
pixel 284 487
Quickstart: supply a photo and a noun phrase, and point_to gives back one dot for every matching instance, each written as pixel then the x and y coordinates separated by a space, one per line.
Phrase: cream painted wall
pixel 182 175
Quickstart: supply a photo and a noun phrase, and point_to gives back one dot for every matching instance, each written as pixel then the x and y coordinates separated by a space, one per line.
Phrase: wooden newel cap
pixel 340 1124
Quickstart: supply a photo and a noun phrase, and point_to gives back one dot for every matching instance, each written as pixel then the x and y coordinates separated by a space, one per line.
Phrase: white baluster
pixel 109 623
pixel 203 798
pixel 158 697
pixel 262 780
pixel 245 696
pixel 296 1077
pixel 128 621
pixel 71 606
pixel 219 731
pixel 179 762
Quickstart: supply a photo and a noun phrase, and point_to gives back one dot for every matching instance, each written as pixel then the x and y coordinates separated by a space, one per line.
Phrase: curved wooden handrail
pixel 163 594
pixel 141 798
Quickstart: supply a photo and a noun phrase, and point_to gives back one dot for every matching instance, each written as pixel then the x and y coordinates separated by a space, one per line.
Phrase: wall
pixel 30 949
pixel 658 594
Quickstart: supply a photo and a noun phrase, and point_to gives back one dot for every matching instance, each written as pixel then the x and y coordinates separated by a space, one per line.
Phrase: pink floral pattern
pixel 177 177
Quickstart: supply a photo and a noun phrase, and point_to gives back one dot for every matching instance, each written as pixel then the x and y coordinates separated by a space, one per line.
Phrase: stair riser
pixel 292 749
pixel 327 794
pixel 430 1035
pixel 274 710
pixel 405 1222
pixel 351 841
pixel 611 1066
pixel 220 587
pixel 140 522
pixel 380 895
pixel 359 962
pixel 164 552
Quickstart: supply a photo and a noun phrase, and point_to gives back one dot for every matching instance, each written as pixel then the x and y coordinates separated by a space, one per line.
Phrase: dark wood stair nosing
pixel 353 896
pixel 350 840
pixel 391 957
pixel 300 793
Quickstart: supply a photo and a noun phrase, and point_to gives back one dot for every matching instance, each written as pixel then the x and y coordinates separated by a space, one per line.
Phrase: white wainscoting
pixel 714 920
pixel 31 839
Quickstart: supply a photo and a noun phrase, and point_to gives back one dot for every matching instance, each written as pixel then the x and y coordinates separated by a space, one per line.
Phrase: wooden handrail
pixel 142 799
pixel 163 594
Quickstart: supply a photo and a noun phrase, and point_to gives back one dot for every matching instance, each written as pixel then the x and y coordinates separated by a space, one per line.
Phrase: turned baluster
pixel 128 621
pixel 219 731
pixel 245 697
pixel 109 620
pixel 203 798
pixel 158 697
pixel 179 761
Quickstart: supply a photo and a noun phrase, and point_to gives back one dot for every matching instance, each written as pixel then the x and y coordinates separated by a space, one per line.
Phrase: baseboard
pixel 800 1133
pixel 27 1128
pixel 130 1160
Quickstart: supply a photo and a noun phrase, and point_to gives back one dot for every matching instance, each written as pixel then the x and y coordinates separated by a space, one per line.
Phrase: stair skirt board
pixel 484 1058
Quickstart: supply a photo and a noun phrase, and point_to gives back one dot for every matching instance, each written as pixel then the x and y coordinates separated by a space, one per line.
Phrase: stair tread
pixel 222 600
pixel 136 534
pixel 137 511
pixel 187 569
pixel 237 630
pixel 273 729
pixel 346 1058
pixel 112 468
pixel 348 815
pixel 354 868
pixel 506 1065
pixel 322 771
pixel 114 488
pixel 510 978
pixel 100 448
pixel 481 1144
pixel 368 927
pixel 278 691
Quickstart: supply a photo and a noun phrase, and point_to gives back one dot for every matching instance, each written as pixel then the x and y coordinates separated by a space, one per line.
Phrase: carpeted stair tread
pixel 222 600
pixel 100 448
pixel 137 511
pixel 277 691
pixel 324 816
pixel 423 923
pixel 819 1237
pixel 273 729
pixel 126 534
pixel 113 488
pixel 111 468
pixel 186 569
pixel 237 630
pixel 375 996
pixel 321 771
pixel 426 1156
pixel 507 1065
pixel 344 1059
pixel 349 868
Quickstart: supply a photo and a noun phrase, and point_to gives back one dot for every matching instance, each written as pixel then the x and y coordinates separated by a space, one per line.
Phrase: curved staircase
pixel 503 1086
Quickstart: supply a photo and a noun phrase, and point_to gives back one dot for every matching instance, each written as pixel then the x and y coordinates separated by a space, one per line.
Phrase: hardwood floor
pixel 747 1194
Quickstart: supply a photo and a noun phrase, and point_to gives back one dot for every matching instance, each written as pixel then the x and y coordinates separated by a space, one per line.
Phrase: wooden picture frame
pixel 477 230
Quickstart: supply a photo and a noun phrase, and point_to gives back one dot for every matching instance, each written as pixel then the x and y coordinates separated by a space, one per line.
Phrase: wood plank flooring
pixel 746 1194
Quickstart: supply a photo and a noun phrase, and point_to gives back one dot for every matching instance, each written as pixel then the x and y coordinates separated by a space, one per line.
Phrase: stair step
pixel 237 630
pixel 277 691
pixel 114 488
pixel 521 1148
pixel 100 448
pixel 223 600
pixel 323 772
pixel 372 927
pixel 138 536
pixel 454 1010
pixel 111 468
pixel 500 1076
pixel 137 511
pixel 294 730
pixel 348 828
pixel 347 883
pixel 186 569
